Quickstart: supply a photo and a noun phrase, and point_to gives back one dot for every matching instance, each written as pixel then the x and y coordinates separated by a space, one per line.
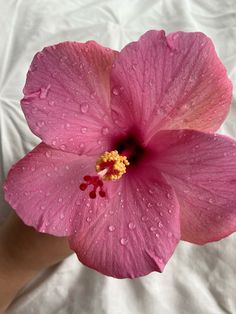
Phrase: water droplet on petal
pixel 62 216
pixel 168 195
pixel 144 218
pixel 152 228
pixel 88 219
pixel 169 234
pixel 157 235
pixel 40 123
pixel 60 200
pixel 92 95
pixel 51 102
pixel 84 107
pixel 210 201
pixel 169 211
pixel 115 91
pixel 160 225
pixel 48 154
pixel 131 226
pixel 111 228
pixel 54 142
pixel 44 92
pixel 62 147
pixel 83 130
pixel 123 241
pixel 104 131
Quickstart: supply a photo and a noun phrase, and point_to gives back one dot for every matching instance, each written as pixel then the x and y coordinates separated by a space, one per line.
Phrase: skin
pixel 25 252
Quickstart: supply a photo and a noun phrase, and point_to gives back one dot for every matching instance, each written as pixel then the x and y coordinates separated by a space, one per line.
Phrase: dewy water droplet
pixel 131 226
pixel 88 219
pixel 115 91
pixel 152 228
pixel 84 107
pixel 48 154
pixel 168 195
pixel 111 228
pixel 123 241
pixel 51 103
pixel 104 131
pixel 40 123
pixel 44 92
pixel 144 218
pixel 62 147
pixel 83 130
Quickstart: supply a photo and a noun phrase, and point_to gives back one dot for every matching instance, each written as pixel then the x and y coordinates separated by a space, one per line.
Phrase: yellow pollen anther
pixel 114 163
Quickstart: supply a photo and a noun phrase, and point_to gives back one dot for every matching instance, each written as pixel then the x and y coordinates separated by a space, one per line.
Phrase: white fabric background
pixel 197 280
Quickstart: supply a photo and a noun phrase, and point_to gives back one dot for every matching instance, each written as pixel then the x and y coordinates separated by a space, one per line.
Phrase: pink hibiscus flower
pixel 128 163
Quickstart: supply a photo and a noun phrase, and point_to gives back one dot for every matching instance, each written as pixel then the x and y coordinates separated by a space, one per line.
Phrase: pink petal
pixel 170 82
pixel 202 170
pixel 136 233
pixel 67 96
pixel 43 188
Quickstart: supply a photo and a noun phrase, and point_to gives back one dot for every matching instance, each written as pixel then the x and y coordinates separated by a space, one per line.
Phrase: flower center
pixel 113 163
pixel 110 166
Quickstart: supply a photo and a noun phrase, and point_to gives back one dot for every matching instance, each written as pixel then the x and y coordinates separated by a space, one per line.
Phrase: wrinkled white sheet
pixel 197 280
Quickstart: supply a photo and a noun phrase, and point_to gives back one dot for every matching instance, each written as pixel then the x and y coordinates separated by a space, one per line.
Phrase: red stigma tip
pixel 87 178
pixel 96 182
pixel 92 194
pixel 83 186
pixel 102 193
